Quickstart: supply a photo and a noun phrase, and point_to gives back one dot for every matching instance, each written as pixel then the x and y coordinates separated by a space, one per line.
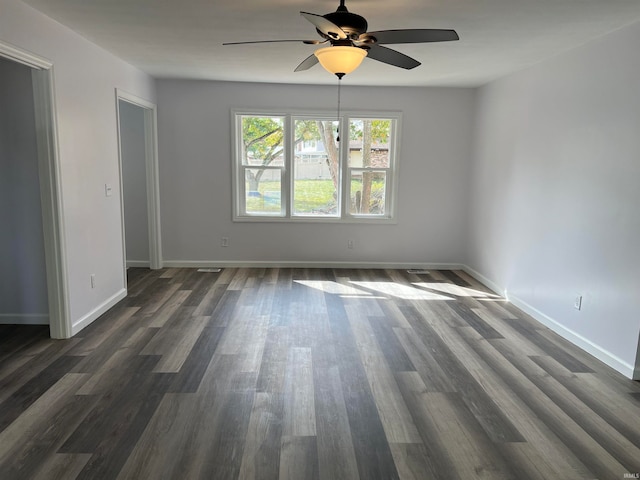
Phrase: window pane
pixel 263 190
pixel 316 169
pixel 262 141
pixel 369 145
pixel 367 192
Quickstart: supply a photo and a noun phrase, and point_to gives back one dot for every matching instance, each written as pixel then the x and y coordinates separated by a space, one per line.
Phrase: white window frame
pixel 344 216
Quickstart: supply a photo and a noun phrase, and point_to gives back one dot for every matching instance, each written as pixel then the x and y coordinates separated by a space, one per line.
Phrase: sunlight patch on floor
pixel 456 290
pixel 397 290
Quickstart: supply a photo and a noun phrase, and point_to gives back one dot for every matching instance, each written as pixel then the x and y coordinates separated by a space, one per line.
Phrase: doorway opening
pixel 140 198
pixel 50 202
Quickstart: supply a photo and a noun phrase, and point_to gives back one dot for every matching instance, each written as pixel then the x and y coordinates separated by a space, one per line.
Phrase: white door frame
pixel 50 187
pixel 152 173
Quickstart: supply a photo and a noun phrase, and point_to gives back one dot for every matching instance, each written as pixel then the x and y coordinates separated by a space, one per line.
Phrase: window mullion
pixel 287 181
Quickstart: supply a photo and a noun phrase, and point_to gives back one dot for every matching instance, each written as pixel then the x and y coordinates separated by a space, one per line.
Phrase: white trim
pixel 24 57
pixel 96 312
pixel 286 215
pixel 307 264
pixel 138 264
pixel 50 187
pixel 152 174
pixel 494 287
pixel 585 344
pixel 24 319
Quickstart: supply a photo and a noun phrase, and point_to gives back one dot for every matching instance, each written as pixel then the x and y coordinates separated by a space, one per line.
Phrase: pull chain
pixel 339 84
pixel 338 131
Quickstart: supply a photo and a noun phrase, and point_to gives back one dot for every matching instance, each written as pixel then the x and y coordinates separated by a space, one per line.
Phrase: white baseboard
pixel 96 312
pixel 585 344
pixel 494 287
pixel 24 319
pixel 138 264
pixel 307 264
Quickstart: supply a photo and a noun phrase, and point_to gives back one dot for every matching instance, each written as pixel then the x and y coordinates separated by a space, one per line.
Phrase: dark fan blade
pixel 414 36
pixel 307 42
pixel 327 27
pixel 307 63
pixel 397 59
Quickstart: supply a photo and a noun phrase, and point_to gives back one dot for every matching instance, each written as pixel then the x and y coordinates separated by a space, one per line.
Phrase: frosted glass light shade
pixel 340 59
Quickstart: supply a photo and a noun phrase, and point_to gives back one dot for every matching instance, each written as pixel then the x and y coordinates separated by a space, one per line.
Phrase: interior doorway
pixel 137 140
pixel 47 166
pixel 23 286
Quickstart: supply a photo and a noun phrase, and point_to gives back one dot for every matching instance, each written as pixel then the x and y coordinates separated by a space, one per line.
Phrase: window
pixel 312 167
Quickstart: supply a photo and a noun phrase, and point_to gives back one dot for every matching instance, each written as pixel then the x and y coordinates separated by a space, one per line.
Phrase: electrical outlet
pixel 577 304
pixel 350 244
pixel 224 242
pixel 93 280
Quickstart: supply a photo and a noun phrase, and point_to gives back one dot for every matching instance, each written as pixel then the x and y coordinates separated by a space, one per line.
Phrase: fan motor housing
pixel 352 24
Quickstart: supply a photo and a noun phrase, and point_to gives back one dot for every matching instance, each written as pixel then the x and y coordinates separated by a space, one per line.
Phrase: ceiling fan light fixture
pixel 340 60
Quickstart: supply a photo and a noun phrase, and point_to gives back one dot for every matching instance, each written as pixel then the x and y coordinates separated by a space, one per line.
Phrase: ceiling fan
pixel 345 29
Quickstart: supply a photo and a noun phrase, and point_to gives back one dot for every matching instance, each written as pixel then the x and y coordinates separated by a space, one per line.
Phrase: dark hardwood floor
pixel 311 374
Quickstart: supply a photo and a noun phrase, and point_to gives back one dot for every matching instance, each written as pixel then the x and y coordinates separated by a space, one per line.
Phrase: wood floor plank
pixel 19 340
pixel 540 439
pixel 121 364
pixel 372 451
pixel 210 300
pixel 275 356
pixel 167 449
pixel 24 372
pixel 160 297
pixel 298 458
pixel 618 411
pixel 335 445
pixel 190 376
pixel 261 456
pixel 175 343
pixel 61 466
pixel 170 307
pixel 246 336
pixel 299 406
pixel 392 350
pixel 47 437
pixel 413 463
pixel 582 446
pixel 482 406
pixel 37 414
pixel 618 446
pixel 476 322
pixel 561 355
pixel 529 462
pixel 102 332
pixel 433 376
pixel 517 341
pixel 305 373
pixel 14 406
pixel 394 415
pixel 469 449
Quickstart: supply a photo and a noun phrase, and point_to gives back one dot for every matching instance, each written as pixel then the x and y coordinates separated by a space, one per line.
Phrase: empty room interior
pixel 319 240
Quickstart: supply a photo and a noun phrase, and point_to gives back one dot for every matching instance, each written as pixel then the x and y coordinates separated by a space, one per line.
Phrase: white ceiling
pixel 183 38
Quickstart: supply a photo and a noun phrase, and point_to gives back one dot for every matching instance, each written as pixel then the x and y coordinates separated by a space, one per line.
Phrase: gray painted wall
pixel 195 177
pixel 556 189
pixel 134 186
pixel 23 287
